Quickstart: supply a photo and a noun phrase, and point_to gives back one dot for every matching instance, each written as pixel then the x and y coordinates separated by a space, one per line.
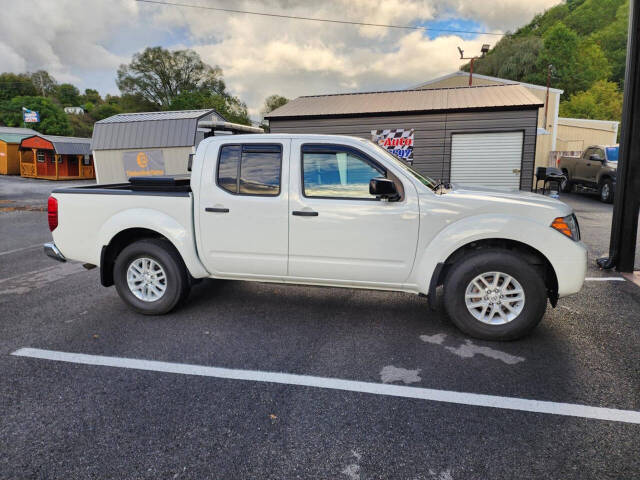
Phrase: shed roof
pixel 401 101
pixel 496 80
pixel 7 134
pixel 67 145
pixel 150 129
pixel 13 137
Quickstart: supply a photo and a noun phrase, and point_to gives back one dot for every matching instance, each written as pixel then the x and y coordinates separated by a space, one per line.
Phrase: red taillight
pixel 52 213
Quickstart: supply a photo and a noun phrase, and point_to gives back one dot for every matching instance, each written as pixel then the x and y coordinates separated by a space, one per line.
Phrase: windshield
pixel 421 178
pixel 612 153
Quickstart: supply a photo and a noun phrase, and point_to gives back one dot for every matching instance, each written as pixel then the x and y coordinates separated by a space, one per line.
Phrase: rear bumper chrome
pixel 52 251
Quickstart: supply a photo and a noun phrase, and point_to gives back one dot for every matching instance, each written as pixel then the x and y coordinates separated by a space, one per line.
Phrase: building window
pixel 40 156
pixel 252 169
pixel 86 160
pixel 337 173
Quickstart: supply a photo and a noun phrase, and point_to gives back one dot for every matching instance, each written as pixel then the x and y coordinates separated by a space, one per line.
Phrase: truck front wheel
pixel 495 295
pixel 606 191
pixel 150 277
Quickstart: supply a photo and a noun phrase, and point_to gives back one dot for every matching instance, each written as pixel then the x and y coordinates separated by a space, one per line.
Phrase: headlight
pixel 567 226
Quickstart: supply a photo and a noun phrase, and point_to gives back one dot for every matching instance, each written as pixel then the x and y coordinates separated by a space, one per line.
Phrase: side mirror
pixel 383 188
pixel 190 162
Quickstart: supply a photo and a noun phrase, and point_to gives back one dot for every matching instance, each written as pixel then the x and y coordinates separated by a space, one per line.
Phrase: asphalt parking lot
pixel 73 419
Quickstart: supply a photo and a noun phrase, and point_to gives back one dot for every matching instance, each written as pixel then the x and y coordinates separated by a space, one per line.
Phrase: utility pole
pixel 546 102
pixel 483 52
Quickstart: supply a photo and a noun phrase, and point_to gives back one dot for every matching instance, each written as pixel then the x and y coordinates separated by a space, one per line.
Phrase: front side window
pixel 252 169
pixel 336 173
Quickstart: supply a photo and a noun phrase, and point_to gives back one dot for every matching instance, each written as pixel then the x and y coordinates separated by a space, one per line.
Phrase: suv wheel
pixel 150 276
pixel 495 295
pixel 606 191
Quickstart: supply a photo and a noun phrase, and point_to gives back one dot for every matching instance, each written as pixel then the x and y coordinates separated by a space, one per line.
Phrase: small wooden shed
pixel 10 139
pixel 56 158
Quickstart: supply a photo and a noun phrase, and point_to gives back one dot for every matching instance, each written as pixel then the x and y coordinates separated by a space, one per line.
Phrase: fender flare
pixel 160 223
pixel 478 228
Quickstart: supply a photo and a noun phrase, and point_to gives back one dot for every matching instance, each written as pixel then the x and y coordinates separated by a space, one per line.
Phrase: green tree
pixel 231 108
pixel 612 39
pixel 45 84
pixel 515 58
pixel 603 101
pixel 91 96
pixel 272 102
pixel 160 75
pixel 591 15
pixel 15 85
pixel 53 120
pixel 81 125
pixel 105 110
pixel 577 63
pixel 68 95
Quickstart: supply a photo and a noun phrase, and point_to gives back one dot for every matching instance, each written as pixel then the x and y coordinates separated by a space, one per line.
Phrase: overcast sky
pixel 84 41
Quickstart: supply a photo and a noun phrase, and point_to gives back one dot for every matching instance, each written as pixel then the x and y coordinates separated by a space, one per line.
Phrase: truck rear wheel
pixel 150 276
pixel 495 295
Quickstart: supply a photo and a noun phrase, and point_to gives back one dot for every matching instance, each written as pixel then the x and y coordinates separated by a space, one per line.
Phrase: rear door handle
pixel 217 210
pixel 304 213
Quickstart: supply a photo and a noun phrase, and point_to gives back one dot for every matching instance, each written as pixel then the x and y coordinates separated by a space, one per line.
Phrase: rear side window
pixel 252 169
pixel 228 167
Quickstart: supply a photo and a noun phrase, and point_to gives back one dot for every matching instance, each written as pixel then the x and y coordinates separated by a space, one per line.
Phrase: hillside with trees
pixel 584 40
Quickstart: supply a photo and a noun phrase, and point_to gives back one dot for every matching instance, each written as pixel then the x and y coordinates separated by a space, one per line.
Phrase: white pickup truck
pixel 324 210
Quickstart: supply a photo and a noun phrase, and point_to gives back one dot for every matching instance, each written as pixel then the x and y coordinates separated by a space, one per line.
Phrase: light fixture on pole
pixel 483 51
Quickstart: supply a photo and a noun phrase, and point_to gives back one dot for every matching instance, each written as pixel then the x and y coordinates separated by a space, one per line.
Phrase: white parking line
pixel 604 279
pixel 21 249
pixel 461 398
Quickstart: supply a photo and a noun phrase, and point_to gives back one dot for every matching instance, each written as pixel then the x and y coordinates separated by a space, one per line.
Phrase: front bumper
pixel 52 251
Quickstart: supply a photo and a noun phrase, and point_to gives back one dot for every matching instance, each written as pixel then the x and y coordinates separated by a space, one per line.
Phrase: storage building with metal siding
pixel 167 137
pixel 435 115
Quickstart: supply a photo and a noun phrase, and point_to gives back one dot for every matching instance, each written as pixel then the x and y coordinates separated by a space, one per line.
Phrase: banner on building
pixel 398 141
pixel 143 163
pixel 30 116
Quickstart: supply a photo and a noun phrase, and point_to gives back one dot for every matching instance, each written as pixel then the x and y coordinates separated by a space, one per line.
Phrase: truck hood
pixel 509 201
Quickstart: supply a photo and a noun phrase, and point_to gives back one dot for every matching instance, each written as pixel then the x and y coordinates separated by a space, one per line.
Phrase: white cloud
pixel 84 40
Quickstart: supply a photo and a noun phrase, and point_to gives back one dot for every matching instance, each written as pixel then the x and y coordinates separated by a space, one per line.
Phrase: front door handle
pixel 217 210
pixel 304 213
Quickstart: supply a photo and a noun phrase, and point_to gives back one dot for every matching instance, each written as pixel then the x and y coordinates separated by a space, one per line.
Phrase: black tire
pixel 566 186
pixel 177 280
pixel 495 260
pixel 606 191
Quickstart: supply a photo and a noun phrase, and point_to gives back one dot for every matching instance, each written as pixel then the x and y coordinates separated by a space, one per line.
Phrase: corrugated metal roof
pixel 443 99
pixel 18 131
pixel 67 145
pixel 150 129
pixel 14 137
pixel 70 145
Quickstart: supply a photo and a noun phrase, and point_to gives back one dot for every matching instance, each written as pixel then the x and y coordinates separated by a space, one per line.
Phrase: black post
pixel 624 228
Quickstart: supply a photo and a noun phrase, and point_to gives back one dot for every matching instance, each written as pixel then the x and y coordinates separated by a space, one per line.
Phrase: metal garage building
pixel 154 143
pixel 484 136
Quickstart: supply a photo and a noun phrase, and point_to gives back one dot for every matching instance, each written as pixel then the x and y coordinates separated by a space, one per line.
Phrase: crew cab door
pixel 338 232
pixel 593 165
pixel 242 209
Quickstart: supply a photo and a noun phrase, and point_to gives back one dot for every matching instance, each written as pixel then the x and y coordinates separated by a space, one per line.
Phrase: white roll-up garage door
pixel 487 159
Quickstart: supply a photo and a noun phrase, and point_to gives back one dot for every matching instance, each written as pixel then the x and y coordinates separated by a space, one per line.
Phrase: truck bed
pixel 172 186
